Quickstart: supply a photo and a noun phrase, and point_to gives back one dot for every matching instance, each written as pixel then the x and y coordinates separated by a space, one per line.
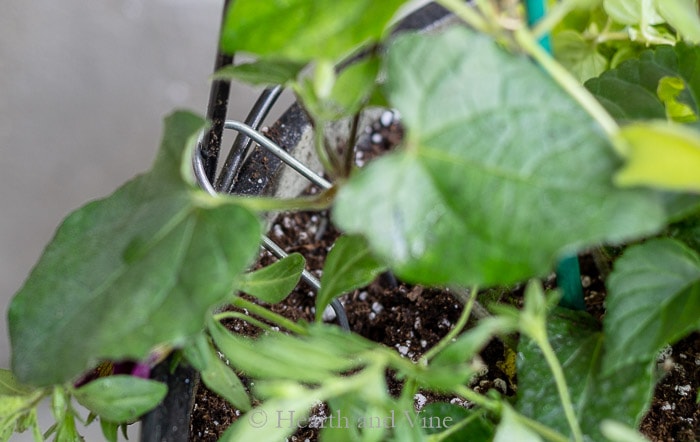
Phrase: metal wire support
pixel 203 181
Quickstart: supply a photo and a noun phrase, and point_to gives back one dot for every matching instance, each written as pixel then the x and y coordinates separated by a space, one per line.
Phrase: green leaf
pixel 632 12
pixel 12 407
pixel 449 415
pixel 10 386
pixel 274 420
pixel 66 431
pixel 630 92
pixel 660 155
pixel 511 429
pixel 578 55
pixel 221 379
pixel 261 72
pixel 275 282
pixel 486 169
pixel 110 430
pixel 120 398
pixel 682 15
pixel 653 300
pixel 314 358
pixel 577 342
pixel 329 97
pixel 617 432
pixel 349 265
pixel 668 91
pixel 119 270
pixel 302 30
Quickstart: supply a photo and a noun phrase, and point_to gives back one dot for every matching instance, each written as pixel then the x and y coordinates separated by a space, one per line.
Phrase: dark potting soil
pixel 412 319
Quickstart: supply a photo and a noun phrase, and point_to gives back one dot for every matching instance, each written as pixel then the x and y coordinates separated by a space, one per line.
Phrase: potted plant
pixel 511 161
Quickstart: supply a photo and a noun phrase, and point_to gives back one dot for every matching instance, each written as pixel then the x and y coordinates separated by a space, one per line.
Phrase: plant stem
pixel 527 42
pixel 461 322
pixel 562 387
pixel 267 314
pixel 467 14
pixel 478 399
pixel 242 317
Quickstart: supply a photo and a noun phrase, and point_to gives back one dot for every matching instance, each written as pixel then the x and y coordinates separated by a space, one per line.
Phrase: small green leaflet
pixel 120 398
pixel 486 169
pixel 661 155
pixel 578 55
pixel 216 374
pixel 668 91
pixel 578 344
pixel 302 30
pixel 349 265
pixel 653 300
pixel 132 271
pixel 631 91
pixel 273 283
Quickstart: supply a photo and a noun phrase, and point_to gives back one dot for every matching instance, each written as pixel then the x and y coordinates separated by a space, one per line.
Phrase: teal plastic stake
pixel 568 269
pixel 535 10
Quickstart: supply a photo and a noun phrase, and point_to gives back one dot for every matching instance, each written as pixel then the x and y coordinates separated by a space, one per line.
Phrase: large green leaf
pixel 349 265
pixel 302 30
pixel 121 398
pixel 630 92
pixel 134 270
pixel 578 344
pixel 502 172
pixel 653 300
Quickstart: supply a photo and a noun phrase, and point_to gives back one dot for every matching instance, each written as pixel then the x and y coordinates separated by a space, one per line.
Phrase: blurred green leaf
pixel 261 72
pixel 302 30
pixel 511 429
pixel 660 155
pixel 578 55
pixel 326 351
pixel 349 265
pixel 653 300
pixel 120 398
pixel 10 386
pixel 120 269
pixel 275 282
pixel 682 15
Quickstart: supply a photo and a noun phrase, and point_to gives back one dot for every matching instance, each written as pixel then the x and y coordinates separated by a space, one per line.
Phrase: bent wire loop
pixel 299 167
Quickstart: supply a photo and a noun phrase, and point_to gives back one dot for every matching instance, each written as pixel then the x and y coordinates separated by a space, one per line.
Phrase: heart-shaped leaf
pixel 631 91
pixel 137 269
pixel 491 187
pixel 578 345
pixel 653 300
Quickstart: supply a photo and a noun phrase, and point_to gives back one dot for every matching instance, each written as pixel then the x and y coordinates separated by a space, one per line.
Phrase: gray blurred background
pixel 84 87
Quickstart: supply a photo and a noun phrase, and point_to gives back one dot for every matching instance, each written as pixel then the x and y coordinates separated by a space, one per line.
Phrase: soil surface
pixel 411 319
